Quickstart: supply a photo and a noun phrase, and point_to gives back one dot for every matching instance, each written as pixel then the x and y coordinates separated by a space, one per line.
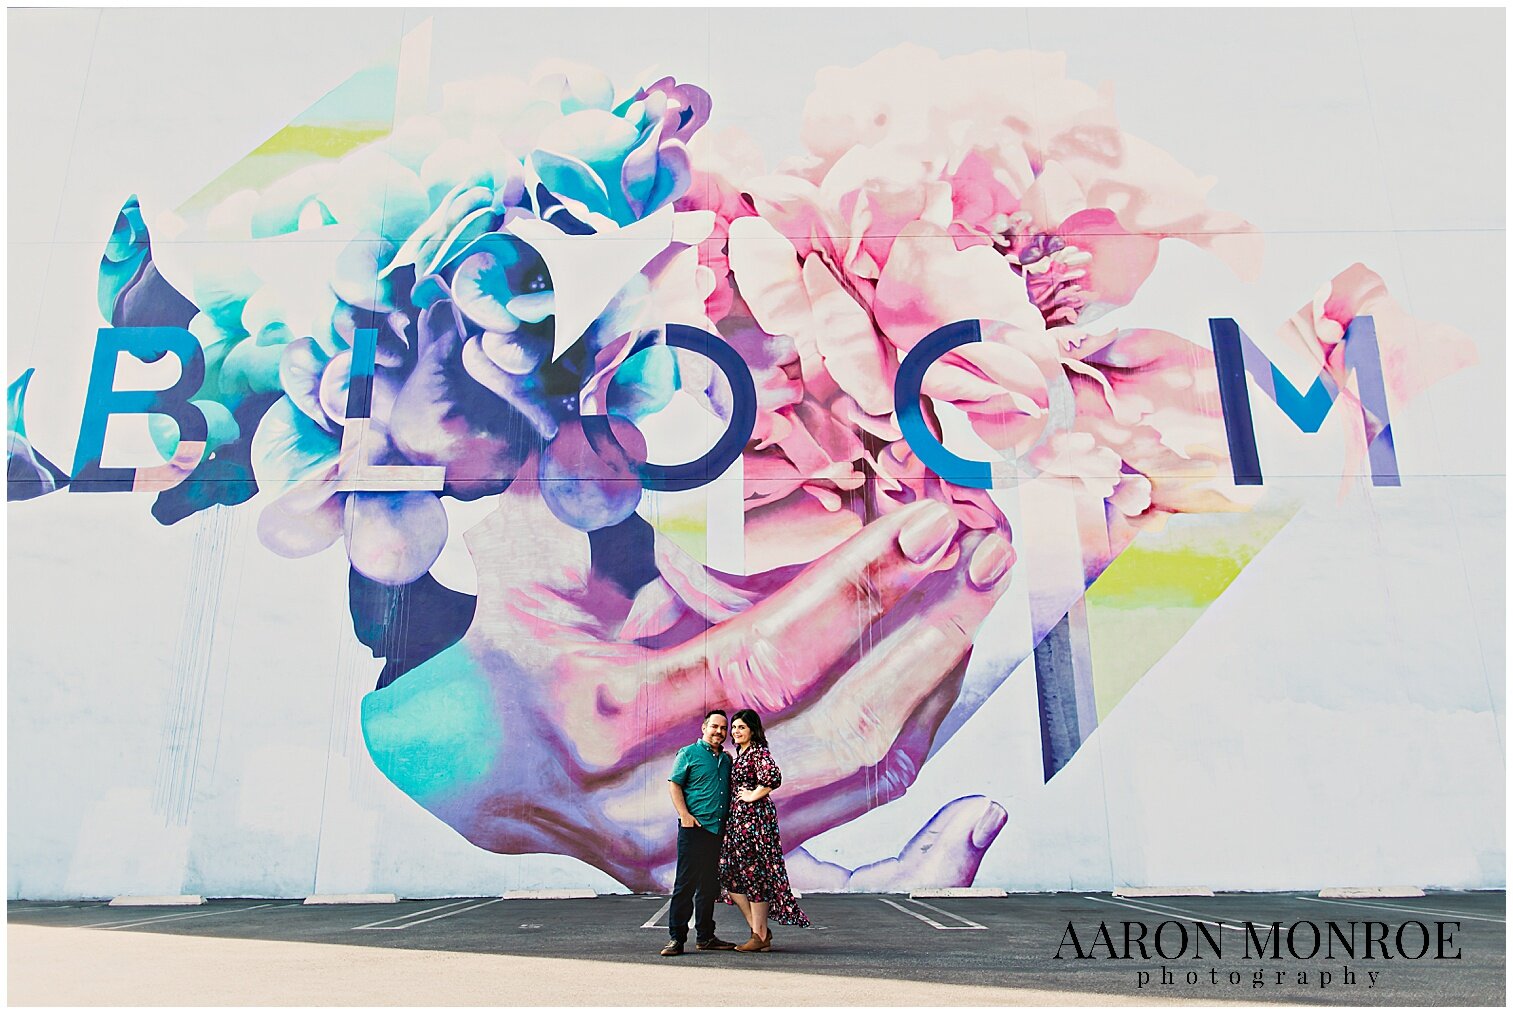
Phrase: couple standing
pixel 728 844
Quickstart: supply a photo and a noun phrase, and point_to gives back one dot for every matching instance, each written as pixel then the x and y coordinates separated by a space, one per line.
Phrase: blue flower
pixel 618 164
pixel 28 474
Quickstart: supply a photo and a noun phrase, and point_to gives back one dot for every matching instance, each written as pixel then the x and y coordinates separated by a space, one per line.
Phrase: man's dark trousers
pixel 697 884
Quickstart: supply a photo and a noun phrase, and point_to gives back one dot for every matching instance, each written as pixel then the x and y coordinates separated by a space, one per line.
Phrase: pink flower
pixel 1415 354
pixel 979 200
pixel 1034 166
pixel 929 282
pixel 713 193
pixel 987 187
pixel 720 157
pixel 983 187
pixel 1148 401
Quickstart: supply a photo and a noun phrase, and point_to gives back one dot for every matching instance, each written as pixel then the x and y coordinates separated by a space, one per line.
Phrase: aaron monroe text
pixel 1305 940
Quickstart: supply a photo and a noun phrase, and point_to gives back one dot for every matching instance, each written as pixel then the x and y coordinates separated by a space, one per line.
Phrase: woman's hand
pixel 752 795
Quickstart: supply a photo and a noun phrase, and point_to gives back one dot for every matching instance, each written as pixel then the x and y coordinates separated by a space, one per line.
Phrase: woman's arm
pixel 767 776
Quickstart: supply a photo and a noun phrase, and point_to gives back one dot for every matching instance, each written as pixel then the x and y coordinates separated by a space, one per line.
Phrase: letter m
pixel 1235 355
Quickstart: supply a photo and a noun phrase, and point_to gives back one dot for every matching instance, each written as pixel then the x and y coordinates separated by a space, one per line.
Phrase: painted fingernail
pixel 925 533
pixel 990 562
pixel 988 825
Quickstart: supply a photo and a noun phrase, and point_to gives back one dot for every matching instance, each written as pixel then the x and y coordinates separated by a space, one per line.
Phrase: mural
pixel 709 435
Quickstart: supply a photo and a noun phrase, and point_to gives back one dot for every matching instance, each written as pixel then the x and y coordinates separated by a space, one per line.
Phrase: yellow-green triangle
pixel 1153 593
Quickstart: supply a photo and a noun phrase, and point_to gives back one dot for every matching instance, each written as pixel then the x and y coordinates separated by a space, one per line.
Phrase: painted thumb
pixel 950 847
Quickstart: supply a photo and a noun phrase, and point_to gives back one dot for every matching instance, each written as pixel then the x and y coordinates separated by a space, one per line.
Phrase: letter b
pixel 148 344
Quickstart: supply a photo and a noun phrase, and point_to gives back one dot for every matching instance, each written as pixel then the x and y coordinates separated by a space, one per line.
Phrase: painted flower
pixel 720 158
pixel 934 190
pixel 615 162
pixel 1415 354
pixel 993 126
pixel 1148 435
pixel 519 251
pixel 28 473
pixel 421 238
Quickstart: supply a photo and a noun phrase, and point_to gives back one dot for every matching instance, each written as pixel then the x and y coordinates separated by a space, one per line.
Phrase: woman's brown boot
pixel 754 944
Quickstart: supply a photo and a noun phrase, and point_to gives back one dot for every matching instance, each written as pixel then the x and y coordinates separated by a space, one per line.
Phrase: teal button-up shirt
pixel 704 775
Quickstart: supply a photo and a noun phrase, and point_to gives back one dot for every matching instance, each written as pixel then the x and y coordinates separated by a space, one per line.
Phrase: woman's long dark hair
pixel 753 722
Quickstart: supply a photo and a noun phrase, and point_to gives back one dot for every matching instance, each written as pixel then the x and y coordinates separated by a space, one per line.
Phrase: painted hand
pixel 945 853
pixel 543 731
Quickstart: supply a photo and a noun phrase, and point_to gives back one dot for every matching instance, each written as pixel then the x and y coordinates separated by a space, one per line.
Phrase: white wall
pixel 183 703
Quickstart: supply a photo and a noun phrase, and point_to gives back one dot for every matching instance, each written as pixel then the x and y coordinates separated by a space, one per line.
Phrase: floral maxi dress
pixel 751 860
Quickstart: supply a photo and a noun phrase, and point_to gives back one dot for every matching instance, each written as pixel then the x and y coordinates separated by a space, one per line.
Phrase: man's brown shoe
pixel 716 944
pixel 673 949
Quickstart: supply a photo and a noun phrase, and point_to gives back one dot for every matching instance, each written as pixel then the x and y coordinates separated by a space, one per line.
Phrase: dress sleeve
pixel 766 771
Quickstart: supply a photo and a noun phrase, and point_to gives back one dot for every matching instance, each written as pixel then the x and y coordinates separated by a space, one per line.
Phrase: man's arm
pixel 685 817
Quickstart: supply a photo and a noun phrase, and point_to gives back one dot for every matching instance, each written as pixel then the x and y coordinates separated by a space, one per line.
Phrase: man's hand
pixel 543 731
pixel 680 804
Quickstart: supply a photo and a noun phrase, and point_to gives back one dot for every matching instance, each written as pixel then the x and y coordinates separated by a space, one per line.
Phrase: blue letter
pixel 148 344
pixel 950 466
pixel 1235 355
pixel 354 472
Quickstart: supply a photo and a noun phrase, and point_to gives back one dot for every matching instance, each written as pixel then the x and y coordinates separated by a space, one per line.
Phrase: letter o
pixel 1402 952
pixel 1292 948
pixel 713 463
pixel 1181 950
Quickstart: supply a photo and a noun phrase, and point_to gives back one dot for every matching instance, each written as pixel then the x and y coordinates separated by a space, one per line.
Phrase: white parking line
pixel 1169 910
pixel 1403 908
pixel 927 919
pixel 447 915
pixel 127 924
pixel 379 924
pixel 652 922
pixel 41 908
pixel 444 915
pixel 969 923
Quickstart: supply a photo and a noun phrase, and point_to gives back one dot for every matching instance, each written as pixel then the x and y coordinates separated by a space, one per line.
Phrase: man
pixel 700 790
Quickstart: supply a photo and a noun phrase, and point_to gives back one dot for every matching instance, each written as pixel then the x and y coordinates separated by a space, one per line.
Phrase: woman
pixel 753 876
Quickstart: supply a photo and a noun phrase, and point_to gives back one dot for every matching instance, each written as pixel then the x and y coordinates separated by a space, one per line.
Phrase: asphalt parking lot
pixel 1007 943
